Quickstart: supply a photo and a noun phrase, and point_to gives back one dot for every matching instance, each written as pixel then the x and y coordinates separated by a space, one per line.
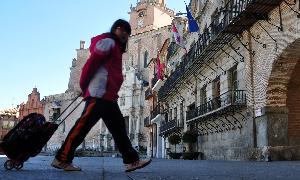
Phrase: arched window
pixel 146 56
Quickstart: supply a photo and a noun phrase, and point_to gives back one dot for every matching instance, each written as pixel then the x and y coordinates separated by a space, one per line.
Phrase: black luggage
pixel 28 138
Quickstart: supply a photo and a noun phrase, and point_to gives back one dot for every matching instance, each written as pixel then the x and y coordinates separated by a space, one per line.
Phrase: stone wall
pixel 293 104
pixel 77 64
pixel 59 136
pixel 269 78
pixel 33 105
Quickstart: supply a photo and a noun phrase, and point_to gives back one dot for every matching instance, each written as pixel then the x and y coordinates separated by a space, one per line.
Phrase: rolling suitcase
pixel 29 136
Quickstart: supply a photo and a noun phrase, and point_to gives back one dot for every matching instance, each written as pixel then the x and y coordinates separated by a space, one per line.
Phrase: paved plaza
pixel 160 169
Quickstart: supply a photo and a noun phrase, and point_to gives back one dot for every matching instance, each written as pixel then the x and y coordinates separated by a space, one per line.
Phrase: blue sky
pixel 38 39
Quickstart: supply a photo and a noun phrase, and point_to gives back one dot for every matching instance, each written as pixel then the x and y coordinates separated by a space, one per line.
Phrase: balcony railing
pixel 147 122
pixel 148 93
pixel 156 111
pixel 170 126
pixel 237 16
pixel 230 98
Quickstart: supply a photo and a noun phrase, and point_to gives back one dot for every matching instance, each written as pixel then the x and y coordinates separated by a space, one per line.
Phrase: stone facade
pixel 142 46
pixel 33 105
pixel 8 120
pixel 149 15
pixel 237 86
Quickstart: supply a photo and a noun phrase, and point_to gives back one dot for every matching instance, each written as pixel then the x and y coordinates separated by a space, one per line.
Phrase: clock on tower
pixel 149 15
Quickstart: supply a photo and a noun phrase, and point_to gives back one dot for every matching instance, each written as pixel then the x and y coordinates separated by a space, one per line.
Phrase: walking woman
pixel 100 81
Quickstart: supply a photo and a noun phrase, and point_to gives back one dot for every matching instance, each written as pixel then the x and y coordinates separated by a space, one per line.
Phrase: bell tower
pixel 153 1
pixel 148 15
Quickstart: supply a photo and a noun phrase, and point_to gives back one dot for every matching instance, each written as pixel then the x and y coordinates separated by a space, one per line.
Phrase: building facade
pixel 8 120
pixel 150 21
pixel 237 85
pixel 33 105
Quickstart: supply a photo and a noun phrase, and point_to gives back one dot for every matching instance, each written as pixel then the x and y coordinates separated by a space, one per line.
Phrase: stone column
pixel 163 148
pixel 106 142
pixel 149 142
pixel 138 130
pixel 160 144
pixel 272 126
pixel 130 125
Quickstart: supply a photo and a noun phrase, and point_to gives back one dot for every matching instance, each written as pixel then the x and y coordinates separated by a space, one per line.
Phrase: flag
pixel 178 38
pixel 160 67
pixel 193 26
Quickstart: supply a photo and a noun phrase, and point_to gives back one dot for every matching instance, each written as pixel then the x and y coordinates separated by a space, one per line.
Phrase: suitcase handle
pixel 67 109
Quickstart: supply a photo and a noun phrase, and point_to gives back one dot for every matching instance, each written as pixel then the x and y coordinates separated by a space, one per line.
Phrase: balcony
pixel 238 16
pixel 154 80
pixel 156 84
pixel 169 127
pixel 156 111
pixel 231 100
pixel 147 122
pixel 148 94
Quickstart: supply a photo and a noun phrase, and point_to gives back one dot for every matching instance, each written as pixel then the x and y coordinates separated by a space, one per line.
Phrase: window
pixel 136 100
pixel 192 107
pixel 175 113
pixel 56 113
pixel 146 56
pixel 232 79
pixel 7 124
pixel 4 124
pixel 133 125
pixel 181 113
pixel 216 93
pixel 233 83
pixel 203 96
pixel 155 71
pixel 215 20
pixel 11 124
pixel 232 9
pixel 171 115
pixel 142 14
pixel 166 117
pixel 217 87
pixel 122 101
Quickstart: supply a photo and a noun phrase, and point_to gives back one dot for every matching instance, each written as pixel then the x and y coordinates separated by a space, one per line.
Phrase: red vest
pixel 101 75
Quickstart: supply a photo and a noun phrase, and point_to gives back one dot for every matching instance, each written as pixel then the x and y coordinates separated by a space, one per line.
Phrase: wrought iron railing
pixel 156 111
pixel 237 97
pixel 168 126
pixel 205 48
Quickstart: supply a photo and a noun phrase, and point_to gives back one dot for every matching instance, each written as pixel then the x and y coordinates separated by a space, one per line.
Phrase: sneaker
pixel 65 166
pixel 137 165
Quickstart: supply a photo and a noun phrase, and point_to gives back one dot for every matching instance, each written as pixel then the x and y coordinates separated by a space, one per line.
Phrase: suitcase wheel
pixel 18 166
pixel 9 165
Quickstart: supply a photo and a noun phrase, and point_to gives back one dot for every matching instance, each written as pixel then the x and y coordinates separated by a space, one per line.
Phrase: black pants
pixel 95 109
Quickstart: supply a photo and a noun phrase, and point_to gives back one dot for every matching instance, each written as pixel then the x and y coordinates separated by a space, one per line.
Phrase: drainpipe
pixel 252 89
